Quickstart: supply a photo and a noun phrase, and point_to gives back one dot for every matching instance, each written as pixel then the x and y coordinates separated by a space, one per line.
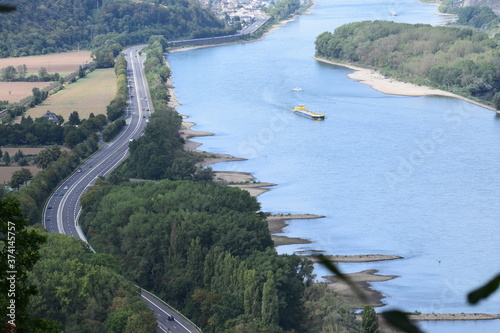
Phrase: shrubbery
pixel 463 61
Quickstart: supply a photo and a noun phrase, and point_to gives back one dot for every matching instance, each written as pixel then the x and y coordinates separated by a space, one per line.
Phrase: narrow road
pixel 63 207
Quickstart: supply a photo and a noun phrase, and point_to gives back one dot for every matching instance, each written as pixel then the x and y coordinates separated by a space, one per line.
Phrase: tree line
pixel 20 74
pixel 159 153
pixel 43 131
pixel 462 61
pixel 282 9
pixel 116 107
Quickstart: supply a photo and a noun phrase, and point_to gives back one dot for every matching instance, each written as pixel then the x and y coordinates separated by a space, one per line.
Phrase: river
pixel 408 176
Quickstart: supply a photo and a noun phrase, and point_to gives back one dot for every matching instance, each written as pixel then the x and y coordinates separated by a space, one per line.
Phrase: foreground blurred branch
pixel 6 8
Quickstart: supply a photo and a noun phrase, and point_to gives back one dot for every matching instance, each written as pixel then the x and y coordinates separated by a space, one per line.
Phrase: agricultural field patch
pixel 26 151
pixel 62 63
pixel 7 171
pixel 89 94
pixel 16 91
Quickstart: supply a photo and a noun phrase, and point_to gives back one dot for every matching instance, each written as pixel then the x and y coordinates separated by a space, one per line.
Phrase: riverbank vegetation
pixel 205 249
pixel 159 153
pixel 463 61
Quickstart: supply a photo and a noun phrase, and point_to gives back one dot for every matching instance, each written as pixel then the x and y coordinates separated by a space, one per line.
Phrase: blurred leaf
pixel 334 269
pixel 400 320
pixel 6 9
pixel 483 292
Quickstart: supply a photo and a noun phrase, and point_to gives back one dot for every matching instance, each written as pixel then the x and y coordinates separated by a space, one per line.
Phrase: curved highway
pixel 63 207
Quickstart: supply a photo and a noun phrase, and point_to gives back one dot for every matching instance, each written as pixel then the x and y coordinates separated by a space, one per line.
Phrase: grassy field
pixel 16 91
pixel 67 62
pixel 90 94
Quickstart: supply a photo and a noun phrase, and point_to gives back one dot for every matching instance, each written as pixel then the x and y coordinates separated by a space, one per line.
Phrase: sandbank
pixel 277 223
pixel 356 257
pixel 390 86
pixel 453 316
pixel 363 280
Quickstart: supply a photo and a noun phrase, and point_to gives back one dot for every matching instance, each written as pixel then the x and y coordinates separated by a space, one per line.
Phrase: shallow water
pixel 408 176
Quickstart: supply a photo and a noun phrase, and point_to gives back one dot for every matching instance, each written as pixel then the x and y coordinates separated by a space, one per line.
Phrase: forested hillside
pixel 462 61
pixel 40 27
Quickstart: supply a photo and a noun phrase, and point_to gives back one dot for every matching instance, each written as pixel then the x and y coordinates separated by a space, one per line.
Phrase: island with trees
pixel 461 60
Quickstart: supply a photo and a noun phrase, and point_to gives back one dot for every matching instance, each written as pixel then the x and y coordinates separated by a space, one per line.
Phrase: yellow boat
pixel 301 110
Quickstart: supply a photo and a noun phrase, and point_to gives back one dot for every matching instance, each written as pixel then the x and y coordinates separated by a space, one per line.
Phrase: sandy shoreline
pixel 389 86
pixel 363 280
pixel 356 257
pixel 277 223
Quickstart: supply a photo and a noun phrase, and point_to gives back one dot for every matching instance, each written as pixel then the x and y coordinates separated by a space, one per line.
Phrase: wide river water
pixel 407 176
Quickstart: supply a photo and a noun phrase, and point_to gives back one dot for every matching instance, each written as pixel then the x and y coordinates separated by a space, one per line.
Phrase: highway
pixel 254 26
pixel 63 207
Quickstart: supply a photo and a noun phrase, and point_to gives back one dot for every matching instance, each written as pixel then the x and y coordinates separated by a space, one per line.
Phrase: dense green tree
pixel 6 158
pixel 369 322
pixel 141 323
pixel 9 73
pixel 19 253
pixel 43 74
pixel 116 107
pixel 20 177
pixel 81 290
pixel 270 302
pixel 496 100
pixel 74 118
pixel 18 155
pixel 47 156
pixel 283 9
pixel 477 16
pixel 22 70
pixel 37 96
pixel 81 72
